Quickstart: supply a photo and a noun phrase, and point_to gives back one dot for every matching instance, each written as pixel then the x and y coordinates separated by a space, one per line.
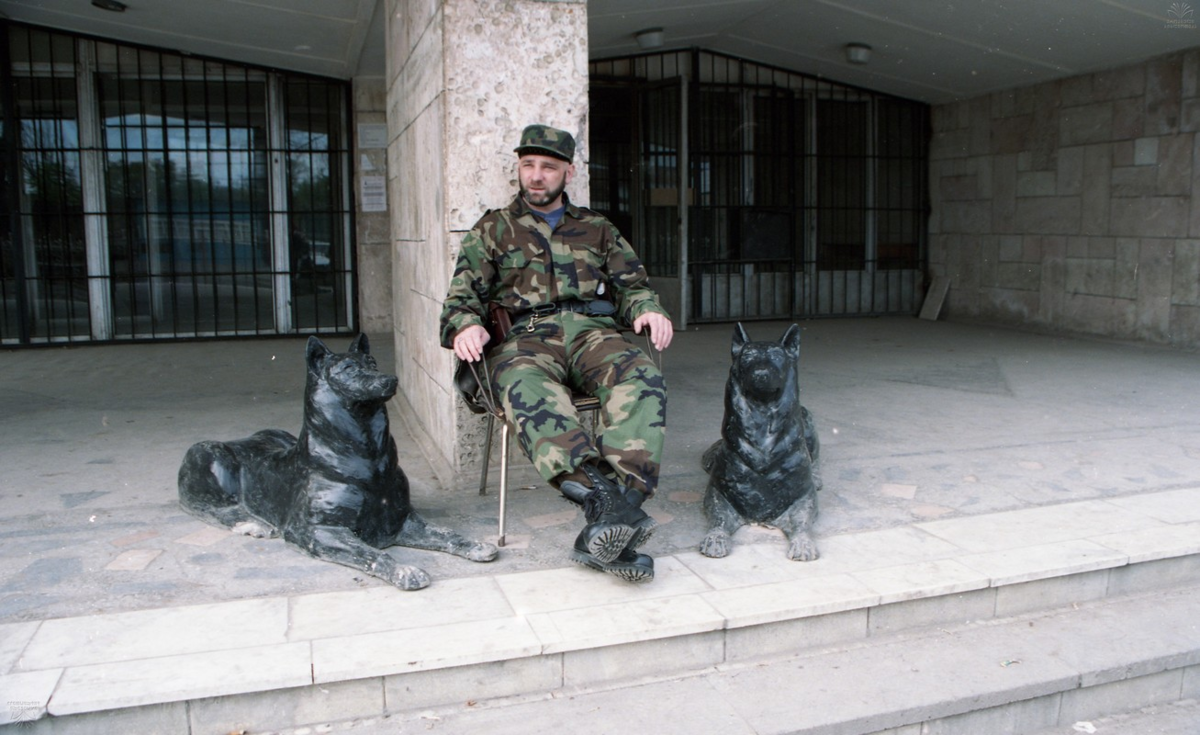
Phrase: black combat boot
pixel 643 525
pixel 629 565
pixel 613 521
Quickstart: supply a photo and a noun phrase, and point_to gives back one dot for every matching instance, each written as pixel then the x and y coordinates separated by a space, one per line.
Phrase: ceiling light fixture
pixel 115 6
pixel 649 38
pixel 858 53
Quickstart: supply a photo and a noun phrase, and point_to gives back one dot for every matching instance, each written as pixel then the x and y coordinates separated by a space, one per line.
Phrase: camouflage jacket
pixel 511 257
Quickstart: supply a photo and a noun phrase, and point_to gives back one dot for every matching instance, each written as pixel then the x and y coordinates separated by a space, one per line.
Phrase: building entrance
pixel 757 193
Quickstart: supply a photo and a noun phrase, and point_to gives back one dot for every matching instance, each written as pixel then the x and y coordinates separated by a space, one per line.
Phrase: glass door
pixel 186 172
pixel 45 243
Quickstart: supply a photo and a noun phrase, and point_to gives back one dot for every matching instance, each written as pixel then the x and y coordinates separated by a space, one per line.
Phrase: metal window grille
pixel 45 260
pixel 803 197
pixel 158 196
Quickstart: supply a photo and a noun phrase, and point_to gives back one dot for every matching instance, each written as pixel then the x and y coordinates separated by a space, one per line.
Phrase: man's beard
pixel 544 198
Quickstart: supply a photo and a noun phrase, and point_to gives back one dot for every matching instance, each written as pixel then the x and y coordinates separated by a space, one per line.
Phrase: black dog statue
pixel 336 492
pixel 764 468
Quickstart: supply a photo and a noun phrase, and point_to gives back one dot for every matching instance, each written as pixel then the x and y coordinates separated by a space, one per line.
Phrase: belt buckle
pixel 538 312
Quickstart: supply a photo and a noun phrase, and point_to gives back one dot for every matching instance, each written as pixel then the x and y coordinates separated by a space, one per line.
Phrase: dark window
pixel 806 197
pixel 186 175
pixel 900 187
pixel 841 185
pixel 317 205
pixel 186 197
pixel 48 189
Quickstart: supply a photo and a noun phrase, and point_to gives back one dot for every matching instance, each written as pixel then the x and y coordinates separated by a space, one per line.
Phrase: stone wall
pixel 464 78
pixel 372 229
pixel 1074 205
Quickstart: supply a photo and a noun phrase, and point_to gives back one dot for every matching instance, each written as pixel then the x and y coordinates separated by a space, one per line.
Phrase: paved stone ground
pixel 1177 718
pixel 918 420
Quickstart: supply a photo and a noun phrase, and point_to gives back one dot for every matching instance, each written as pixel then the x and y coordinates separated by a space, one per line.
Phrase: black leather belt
pixel 587 308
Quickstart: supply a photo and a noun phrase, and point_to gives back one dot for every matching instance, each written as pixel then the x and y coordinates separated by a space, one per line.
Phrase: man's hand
pixel 660 327
pixel 469 342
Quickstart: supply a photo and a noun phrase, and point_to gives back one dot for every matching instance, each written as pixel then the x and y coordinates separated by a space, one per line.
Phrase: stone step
pixel 286 661
pixel 1055 673
pixel 1172 718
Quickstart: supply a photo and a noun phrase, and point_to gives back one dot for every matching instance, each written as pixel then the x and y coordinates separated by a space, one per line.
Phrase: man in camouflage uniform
pixel 565 275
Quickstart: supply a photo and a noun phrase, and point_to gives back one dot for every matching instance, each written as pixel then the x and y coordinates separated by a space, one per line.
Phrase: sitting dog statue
pixel 764 468
pixel 336 492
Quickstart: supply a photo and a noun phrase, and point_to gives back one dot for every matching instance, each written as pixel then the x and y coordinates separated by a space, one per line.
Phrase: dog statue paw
pixel 764 468
pixel 254 529
pixel 406 577
pixel 801 547
pixel 336 492
pixel 716 544
pixel 482 552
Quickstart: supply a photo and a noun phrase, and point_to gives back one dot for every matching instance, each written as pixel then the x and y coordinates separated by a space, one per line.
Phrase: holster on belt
pixel 499 322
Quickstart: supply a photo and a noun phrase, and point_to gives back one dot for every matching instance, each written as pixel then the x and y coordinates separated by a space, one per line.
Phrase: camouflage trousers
pixel 534 374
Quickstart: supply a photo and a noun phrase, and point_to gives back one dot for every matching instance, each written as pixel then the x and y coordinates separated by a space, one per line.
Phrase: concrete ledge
pixel 568 625
pixel 495 680
pixel 96 687
pixel 993 677
pixel 1056 713
pixel 287 707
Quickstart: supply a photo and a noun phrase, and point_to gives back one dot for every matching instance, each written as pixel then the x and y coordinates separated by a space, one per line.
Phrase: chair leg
pixel 487 452
pixel 503 479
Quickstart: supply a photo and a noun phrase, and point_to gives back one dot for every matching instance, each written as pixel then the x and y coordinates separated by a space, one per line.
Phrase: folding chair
pixel 480 401
pixel 582 402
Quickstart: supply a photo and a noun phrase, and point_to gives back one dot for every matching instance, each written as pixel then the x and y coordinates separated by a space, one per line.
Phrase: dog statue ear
pixel 791 341
pixel 315 353
pixel 740 338
pixel 360 344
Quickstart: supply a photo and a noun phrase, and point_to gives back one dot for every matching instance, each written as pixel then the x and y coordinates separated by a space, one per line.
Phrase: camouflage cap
pixel 548 141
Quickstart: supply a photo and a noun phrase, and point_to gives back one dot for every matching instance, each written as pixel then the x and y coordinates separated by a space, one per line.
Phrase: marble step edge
pixel 1010 676
pixel 573 634
pixel 1038 669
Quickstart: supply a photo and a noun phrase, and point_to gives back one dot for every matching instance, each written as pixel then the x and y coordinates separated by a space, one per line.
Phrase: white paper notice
pixel 372 136
pixel 374 194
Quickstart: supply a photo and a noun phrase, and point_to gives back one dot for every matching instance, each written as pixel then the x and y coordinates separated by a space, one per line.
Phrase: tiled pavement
pixel 130 659
pixel 958 461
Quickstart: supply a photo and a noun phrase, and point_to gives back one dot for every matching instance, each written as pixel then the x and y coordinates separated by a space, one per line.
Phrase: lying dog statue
pixel 764 467
pixel 336 492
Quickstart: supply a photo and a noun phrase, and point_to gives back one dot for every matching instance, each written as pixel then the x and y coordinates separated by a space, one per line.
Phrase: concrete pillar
pixel 463 78
pixel 372 227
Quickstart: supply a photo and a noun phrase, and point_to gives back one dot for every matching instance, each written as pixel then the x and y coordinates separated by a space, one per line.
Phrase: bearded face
pixel 543 197
pixel 543 180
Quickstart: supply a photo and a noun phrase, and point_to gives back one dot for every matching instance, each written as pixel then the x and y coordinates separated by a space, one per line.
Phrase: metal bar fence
pixel 807 198
pixel 178 242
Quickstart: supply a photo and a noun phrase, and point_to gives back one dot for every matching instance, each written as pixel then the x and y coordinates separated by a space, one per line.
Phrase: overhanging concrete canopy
pixel 934 52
